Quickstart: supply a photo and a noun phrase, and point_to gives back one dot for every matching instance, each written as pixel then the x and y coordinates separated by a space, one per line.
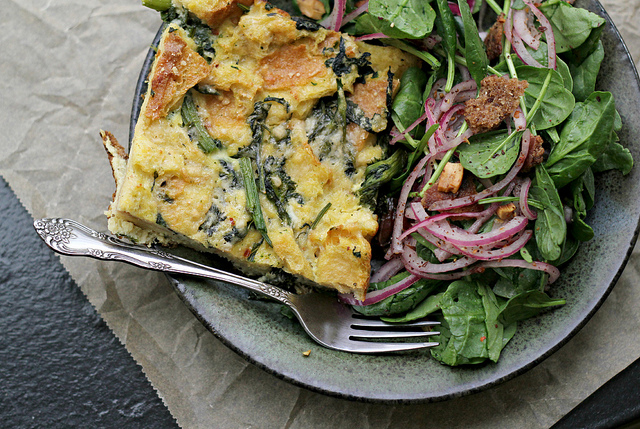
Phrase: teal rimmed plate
pixel 259 332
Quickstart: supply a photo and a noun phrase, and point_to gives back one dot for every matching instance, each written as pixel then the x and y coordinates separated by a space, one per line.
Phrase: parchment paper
pixel 69 69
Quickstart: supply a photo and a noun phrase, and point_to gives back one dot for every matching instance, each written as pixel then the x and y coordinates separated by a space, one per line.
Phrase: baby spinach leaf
pixel 527 305
pixel 571 26
pixel 580 230
pixel 569 248
pixel 617 124
pixel 552 136
pixel 585 74
pixel 463 331
pixel 494 339
pixel 550 227
pixel 583 139
pixel 414 18
pixel 514 281
pixel 401 302
pixel 557 101
pixel 368 24
pixel 474 50
pixel 578 227
pixel 429 305
pixel 408 101
pixel 541 55
pixel 480 149
pixel 583 191
pixel 508 332
pixel 446 27
pixel 579 54
pixel 615 157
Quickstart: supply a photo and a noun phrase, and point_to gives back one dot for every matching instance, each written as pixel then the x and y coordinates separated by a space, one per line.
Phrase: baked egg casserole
pixel 253 142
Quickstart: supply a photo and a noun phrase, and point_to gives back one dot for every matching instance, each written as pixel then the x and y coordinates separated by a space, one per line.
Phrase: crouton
pixel 535 155
pixel 493 41
pixel 499 98
pixel 451 177
pixel 313 9
pixel 506 211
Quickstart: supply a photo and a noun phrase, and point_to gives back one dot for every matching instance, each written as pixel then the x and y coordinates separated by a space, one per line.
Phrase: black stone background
pixel 61 366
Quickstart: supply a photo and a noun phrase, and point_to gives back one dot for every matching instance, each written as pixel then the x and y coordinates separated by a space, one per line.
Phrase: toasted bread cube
pixel 506 211
pixel 451 177
pixel 314 9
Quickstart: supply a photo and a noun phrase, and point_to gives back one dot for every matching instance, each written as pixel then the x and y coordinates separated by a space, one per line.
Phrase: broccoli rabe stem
pixel 159 5
pixel 425 56
pixel 253 199
pixel 493 5
pixel 192 120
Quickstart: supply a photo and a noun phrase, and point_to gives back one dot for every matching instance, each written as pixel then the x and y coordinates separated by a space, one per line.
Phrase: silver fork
pixel 324 318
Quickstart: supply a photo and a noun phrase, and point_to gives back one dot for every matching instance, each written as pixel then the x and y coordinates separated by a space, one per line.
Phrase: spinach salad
pixel 494 144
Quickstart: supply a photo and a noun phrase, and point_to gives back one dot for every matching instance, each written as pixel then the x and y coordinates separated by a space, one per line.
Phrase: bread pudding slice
pixel 253 141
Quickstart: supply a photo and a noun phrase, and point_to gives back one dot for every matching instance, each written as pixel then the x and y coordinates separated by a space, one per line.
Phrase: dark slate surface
pixel 60 365
pixel 614 405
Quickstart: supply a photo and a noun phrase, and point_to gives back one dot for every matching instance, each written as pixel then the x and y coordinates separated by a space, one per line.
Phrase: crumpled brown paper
pixel 69 69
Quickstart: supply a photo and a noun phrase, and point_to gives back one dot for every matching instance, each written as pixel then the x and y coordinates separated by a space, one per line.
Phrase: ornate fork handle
pixel 69 237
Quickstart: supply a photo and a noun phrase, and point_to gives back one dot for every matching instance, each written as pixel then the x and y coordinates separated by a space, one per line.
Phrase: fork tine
pixel 379 347
pixel 391 334
pixel 374 323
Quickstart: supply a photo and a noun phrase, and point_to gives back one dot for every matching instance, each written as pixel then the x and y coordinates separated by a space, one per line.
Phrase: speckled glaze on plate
pixel 260 333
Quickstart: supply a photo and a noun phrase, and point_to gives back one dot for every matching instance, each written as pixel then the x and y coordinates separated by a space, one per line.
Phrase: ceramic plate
pixel 260 333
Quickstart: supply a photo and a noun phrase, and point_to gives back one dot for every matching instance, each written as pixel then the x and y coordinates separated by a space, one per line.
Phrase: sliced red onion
pixel 523 54
pixel 396 245
pixel 460 237
pixel 568 214
pixel 418 210
pixel 436 141
pixel 472 199
pixel 518 44
pixel 464 72
pixel 431 41
pixel 449 99
pixel 437 86
pixel 379 295
pixel 499 253
pixel 443 251
pixel 453 143
pixel 524 204
pixel 548 33
pixel 466 95
pixel 455 9
pixel 553 272
pixel 519 119
pixel 418 266
pixel 387 270
pixel 446 118
pixel 424 220
pixel 356 12
pixel 334 20
pixel 372 36
pixel 521 27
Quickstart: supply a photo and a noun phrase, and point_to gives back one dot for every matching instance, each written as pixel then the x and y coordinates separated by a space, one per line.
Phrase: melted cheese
pixel 270 95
